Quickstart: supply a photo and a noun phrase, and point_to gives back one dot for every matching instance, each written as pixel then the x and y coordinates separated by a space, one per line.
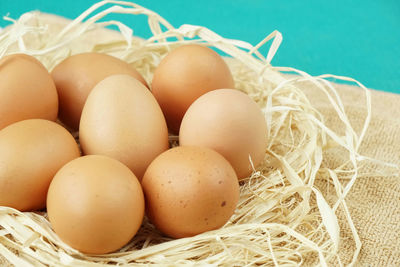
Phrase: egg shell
pixel 31 152
pixel 190 190
pixel 27 90
pixel 76 76
pixel 185 74
pixel 229 122
pixel 95 204
pixel 122 119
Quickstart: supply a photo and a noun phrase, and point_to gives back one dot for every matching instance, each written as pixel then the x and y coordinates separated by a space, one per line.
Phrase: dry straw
pixel 292 209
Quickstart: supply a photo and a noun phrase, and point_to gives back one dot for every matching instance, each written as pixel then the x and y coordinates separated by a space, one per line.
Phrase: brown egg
pixel 190 190
pixel 185 74
pixel 76 76
pixel 121 119
pixel 31 152
pixel 27 90
pixel 95 204
pixel 229 122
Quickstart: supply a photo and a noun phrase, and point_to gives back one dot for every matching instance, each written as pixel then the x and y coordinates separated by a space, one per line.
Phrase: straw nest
pixel 292 209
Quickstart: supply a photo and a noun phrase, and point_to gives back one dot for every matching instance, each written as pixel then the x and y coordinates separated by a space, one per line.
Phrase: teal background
pixel 359 38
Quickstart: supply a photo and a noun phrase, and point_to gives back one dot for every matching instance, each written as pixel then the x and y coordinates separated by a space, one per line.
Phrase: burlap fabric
pixel 374 203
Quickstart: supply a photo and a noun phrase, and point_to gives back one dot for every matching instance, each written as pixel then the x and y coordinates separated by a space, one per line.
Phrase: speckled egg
pixel 190 190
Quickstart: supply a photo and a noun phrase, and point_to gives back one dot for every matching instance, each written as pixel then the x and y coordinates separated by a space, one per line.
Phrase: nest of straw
pixel 292 209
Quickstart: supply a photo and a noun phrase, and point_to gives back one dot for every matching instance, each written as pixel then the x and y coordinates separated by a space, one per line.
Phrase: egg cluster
pixel 96 202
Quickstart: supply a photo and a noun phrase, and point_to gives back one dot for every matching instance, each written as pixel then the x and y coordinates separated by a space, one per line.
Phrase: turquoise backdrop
pixel 357 38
